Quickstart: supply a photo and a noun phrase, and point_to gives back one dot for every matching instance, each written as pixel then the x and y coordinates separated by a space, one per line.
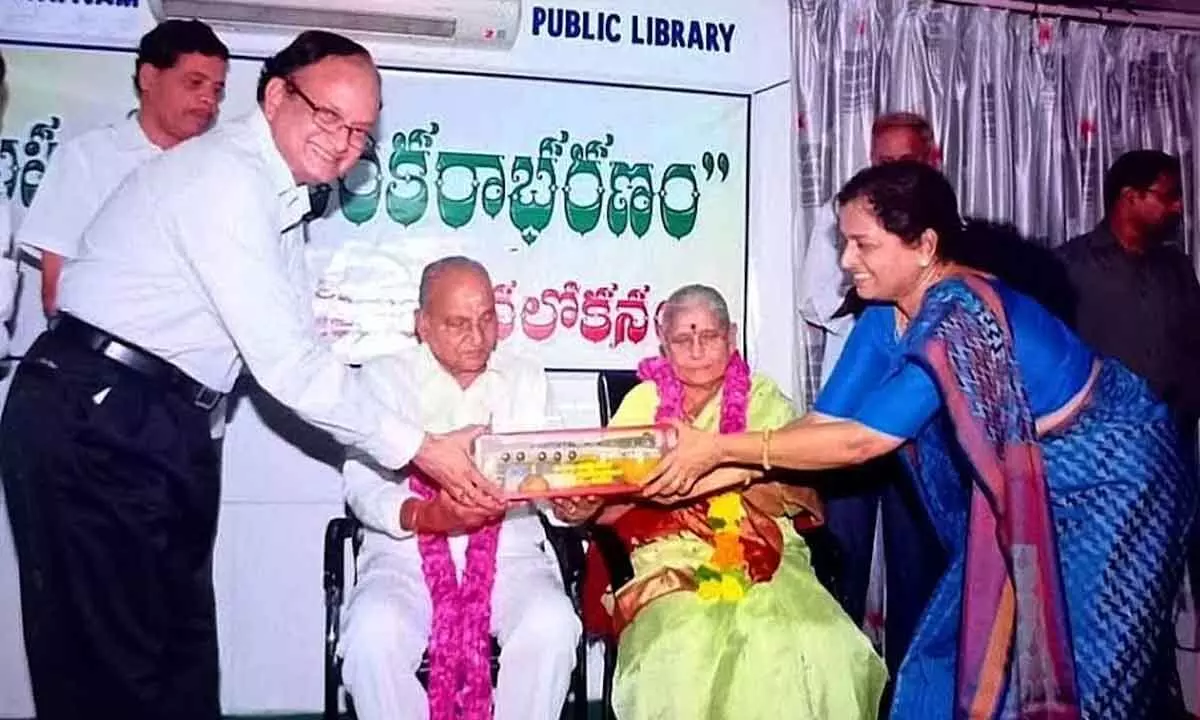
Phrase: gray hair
pixel 691 295
pixel 437 268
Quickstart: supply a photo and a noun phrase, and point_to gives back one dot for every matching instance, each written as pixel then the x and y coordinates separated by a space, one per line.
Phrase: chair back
pixel 611 388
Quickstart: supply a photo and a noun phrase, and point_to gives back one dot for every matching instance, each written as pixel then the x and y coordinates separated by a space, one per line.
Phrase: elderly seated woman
pixel 724 617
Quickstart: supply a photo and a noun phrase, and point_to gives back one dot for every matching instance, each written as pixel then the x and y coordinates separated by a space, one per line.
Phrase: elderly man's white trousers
pixel 387 624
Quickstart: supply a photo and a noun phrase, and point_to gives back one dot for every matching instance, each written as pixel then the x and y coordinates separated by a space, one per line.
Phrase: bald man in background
pixel 882 488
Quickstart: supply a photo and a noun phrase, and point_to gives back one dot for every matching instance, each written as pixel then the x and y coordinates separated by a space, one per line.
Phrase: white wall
pixel 277 499
pixel 773 317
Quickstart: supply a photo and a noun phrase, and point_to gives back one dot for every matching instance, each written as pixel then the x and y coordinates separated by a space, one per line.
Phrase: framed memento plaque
pixel 563 463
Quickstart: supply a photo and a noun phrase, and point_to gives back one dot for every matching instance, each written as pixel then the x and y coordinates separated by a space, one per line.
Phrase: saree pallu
pixel 1121 505
pixel 606 613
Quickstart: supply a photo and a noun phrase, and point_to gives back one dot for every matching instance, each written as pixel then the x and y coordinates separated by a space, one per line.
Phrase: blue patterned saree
pixel 1066 549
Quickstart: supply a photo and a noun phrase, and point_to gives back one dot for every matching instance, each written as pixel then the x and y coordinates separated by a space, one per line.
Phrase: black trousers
pixel 112 486
pixel 915 558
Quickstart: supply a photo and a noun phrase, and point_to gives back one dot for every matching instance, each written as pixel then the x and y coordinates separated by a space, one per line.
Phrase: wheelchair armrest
pixel 567 543
pixel 338 532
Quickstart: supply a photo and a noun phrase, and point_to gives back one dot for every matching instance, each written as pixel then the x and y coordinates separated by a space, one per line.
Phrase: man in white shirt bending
pixel 192 272
pixel 463 380
pixel 179 77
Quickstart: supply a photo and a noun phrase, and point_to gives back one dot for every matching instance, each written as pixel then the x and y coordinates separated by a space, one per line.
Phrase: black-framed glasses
pixel 332 122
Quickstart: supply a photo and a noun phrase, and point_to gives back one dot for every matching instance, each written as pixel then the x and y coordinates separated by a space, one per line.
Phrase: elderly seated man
pixel 448 573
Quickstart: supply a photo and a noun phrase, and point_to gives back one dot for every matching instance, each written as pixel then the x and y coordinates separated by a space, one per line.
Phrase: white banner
pixel 587 203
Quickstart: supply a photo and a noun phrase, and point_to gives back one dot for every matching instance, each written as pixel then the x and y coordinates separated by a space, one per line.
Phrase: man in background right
pixel 1136 297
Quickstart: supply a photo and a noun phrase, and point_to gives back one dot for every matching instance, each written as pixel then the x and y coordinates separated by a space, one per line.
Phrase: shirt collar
pixel 431 367
pixel 293 198
pixel 131 136
pixel 1101 236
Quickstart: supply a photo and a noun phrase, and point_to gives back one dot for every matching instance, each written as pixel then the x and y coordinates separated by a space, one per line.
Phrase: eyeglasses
pixel 706 339
pixel 331 121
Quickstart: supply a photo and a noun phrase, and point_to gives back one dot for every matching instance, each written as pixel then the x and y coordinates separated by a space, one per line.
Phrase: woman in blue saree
pixel 1054 477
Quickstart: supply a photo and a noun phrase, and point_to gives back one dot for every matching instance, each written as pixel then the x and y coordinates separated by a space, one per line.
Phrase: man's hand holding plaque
pixel 445 458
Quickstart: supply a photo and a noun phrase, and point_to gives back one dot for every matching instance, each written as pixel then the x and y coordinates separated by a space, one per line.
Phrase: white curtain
pixel 1028 111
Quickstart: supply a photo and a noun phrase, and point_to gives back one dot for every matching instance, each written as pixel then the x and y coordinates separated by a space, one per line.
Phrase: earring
pixel 924 263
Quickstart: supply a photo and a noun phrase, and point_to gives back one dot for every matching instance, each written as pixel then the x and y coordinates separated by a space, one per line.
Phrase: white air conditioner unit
pixel 481 23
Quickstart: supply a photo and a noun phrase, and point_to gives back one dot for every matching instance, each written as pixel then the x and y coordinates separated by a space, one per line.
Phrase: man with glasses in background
pixel 193 271
pixel 1135 293
pixel 1136 297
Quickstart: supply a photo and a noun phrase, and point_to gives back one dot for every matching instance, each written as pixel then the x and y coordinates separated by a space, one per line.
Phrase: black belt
pixel 114 348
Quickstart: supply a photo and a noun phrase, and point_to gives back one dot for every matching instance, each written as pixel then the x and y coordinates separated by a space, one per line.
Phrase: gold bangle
pixel 766 449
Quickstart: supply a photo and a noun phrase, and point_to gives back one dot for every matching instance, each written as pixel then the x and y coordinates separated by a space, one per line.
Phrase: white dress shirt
pixel 9 277
pixel 512 393
pixel 389 613
pixel 81 176
pixel 199 259
pixel 823 287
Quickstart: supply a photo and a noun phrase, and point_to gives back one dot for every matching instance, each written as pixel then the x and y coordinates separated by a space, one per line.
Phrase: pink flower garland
pixel 460 678
pixel 735 392
pixel 460 645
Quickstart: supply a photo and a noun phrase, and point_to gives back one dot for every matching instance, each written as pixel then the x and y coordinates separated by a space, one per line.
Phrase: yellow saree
pixel 779 648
